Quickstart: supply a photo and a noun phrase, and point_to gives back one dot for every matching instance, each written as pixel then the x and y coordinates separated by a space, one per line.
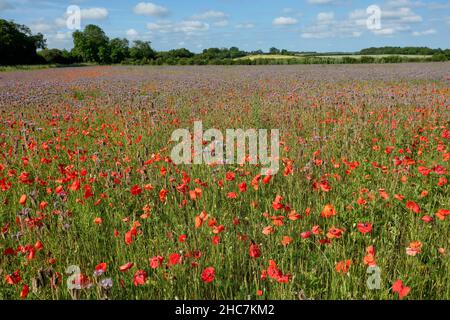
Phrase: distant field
pixel 376 56
pixel 356 56
pixel 268 56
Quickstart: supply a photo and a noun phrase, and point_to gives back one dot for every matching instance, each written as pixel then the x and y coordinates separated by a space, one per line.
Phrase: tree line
pixel 18 46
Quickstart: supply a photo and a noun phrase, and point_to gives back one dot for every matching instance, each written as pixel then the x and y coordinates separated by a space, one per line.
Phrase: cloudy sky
pixel 300 25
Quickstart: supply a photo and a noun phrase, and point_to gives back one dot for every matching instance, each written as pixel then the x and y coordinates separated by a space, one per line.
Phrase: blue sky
pixel 300 25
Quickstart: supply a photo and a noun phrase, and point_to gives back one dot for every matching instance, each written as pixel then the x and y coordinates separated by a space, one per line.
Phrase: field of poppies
pixel 93 207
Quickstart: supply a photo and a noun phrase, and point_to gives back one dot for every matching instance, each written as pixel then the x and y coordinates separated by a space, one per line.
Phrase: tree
pixel 119 50
pixel 274 51
pixel 142 51
pixel 56 56
pixel 91 44
pixel 18 45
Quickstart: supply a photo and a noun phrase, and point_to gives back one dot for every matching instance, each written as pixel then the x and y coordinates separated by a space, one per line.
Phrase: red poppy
pixel 101 268
pixel 400 289
pixel 126 266
pixel 334 233
pixel 364 227
pixel 255 251
pixel 136 190
pixel 23 199
pixel 24 292
pixel 208 274
pixel 276 204
pixel 174 259
pixel 414 207
pixel 139 278
pixel 242 187
pixel 230 176
pixel 162 195
pixel 328 211
pixel 155 262
pixel 343 266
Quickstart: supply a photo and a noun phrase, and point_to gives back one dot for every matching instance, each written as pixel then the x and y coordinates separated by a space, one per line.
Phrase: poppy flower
pixel 216 240
pixel 23 199
pixel 343 266
pixel 414 207
pixel 268 230
pixel 286 241
pixel 130 235
pixel 155 262
pixel 328 211
pixel 414 248
pixel 442 181
pixel 383 194
pixel 242 187
pixel 276 204
pixel 13 278
pixel 294 215
pixel 24 292
pixel 305 235
pixel 364 227
pixel 230 176
pixel 266 179
pixel 208 275
pixel 174 259
pixel 255 251
pixel 162 195
pixel 442 213
pixel 334 233
pixel 136 190
pixel 400 289
pixel 231 195
pixel 139 278
pixel 100 269
pixel 126 266
pixel 424 171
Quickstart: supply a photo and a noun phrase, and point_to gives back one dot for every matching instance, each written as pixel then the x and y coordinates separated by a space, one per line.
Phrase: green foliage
pixel 142 52
pixel 92 44
pixel 56 56
pixel 119 50
pixel 18 45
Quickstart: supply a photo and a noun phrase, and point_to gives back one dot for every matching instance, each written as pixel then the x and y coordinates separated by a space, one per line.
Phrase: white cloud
pixel 217 18
pixel 325 16
pixel 424 33
pixel 211 14
pixel 132 34
pixel 321 1
pixel 221 23
pixel 41 27
pixel 384 32
pixel 246 25
pixel 150 9
pixel 284 21
pixel 187 26
pixel 94 13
